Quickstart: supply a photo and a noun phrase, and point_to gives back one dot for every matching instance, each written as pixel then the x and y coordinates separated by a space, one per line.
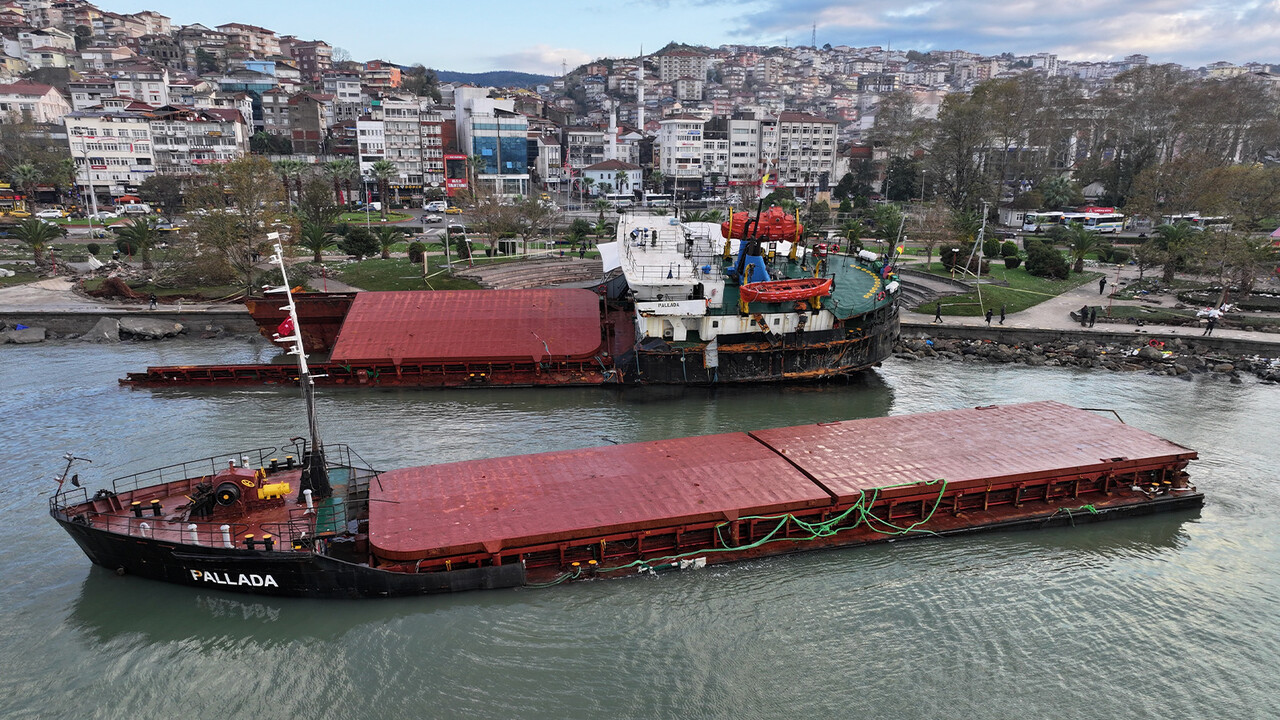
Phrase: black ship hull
pixel 862 343
pixel 273 573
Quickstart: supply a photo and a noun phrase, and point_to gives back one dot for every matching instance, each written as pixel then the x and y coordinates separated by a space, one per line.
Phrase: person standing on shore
pixel 1093 316
pixel 1002 314
pixel 937 312
pixel 152 301
pixel 989 314
pixel 1213 322
pixel 1102 284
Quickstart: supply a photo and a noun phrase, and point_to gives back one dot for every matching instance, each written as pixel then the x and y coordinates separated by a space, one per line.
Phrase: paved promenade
pixel 1055 314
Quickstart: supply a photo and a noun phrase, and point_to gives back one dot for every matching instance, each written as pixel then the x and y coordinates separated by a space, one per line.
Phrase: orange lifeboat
pixel 774 291
pixel 775 224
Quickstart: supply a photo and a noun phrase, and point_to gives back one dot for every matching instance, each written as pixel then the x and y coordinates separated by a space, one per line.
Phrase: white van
pixel 134 209
pixel 436 206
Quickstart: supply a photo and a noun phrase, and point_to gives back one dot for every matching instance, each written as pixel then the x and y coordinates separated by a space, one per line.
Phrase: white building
pixel 607 180
pixel 186 139
pixel 679 147
pixel 31 102
pixel 111 147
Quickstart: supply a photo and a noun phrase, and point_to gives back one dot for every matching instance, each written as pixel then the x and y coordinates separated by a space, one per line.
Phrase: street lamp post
pixel 368 199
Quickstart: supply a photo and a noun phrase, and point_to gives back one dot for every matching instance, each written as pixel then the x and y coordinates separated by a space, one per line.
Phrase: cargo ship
pixel 307 519
pixel 745 301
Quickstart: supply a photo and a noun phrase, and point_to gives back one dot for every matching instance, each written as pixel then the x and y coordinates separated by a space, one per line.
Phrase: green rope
pixel 1087 508
pixel 823 529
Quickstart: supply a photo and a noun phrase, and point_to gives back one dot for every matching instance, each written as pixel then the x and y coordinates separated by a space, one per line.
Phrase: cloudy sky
pixel 537 37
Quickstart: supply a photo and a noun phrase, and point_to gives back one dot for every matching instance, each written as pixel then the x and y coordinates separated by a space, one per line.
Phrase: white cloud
pixel 542 59
pixel 1191 32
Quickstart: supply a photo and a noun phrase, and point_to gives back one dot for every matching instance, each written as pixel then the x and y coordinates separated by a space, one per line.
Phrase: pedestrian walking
pixel 1093 316
pixel 937 312
pixel 1084 315
pixel 1002 314
pixel 1213 322
pixel 1102 284
pixel 152 301
pixel 989 314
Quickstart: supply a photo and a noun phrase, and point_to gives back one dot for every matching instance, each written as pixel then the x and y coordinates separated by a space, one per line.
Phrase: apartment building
pixel 31 102
pixel 256 41
pixel 186 139
pixel 682 63
pixel 680 149
pixel 806 152
pixel 112 149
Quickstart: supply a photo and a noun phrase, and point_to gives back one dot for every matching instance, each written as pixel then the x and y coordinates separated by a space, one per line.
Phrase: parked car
pixel 19 213
pixel 432 219
pixel 135 209
pixel 103 215
pixel 51 214
pixel 436 206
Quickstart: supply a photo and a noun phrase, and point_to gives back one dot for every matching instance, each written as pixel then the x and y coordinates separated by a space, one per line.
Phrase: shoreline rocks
pixel 1177 358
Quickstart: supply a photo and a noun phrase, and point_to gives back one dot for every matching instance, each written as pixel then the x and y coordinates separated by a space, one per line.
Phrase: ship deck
pixel 854 292
pixel 505 508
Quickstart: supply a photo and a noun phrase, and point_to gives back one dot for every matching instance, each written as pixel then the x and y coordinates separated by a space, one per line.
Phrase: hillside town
pixel 129 97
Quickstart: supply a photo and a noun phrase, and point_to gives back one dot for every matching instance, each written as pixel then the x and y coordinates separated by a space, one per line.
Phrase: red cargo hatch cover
pixel 470 325
pixel 977 445
pixel 486 505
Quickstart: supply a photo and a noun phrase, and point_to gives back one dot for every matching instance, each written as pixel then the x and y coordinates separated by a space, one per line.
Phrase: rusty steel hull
pixel 644 507
pixel 320 314
pixel 859 344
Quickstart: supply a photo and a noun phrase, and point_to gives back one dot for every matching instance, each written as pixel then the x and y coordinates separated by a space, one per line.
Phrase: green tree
pixel 142 235
pixel 1177 242
pixel 387 237
pixel 206 62
pixel 162 191
pixel 36 234
pixel 383 171
pixel 532 216
pixel 248 195
pixel 315 204
pixel 887 221
pixel 902 180
pixel 25 177
pixel 1082 241
pixel 1059 192
pixel 316 238
pixel 342 172
pixel 578 231
pixel 656 180
pixel 358 241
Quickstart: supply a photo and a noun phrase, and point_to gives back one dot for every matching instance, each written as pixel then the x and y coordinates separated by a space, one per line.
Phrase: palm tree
pixel 586 187
pixel 601 205
pixel 1177 241
pixel 713 216
pixel 695 216
pixel 36 234
pixel 289 169
pixel 341 171
pixel 621 180
pixel 26 176
pixel 382 171
pixel 656 179
pixel 387 237
pixel 141 234
pixel 1082 242
pixel 602 228
pixel 317 239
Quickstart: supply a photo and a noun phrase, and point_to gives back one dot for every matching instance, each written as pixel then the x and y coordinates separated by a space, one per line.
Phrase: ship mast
pixel 315 476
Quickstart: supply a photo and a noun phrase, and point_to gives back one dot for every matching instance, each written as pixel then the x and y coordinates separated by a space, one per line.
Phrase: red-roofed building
pixel 32 102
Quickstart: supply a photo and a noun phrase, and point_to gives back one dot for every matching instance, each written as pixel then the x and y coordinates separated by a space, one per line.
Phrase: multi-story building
pixel 806 152
pixel 680 150
pixel 550 160
pixel 89 91
pixel 31 102
pixel 614 176
pixel 689 88
pixel 381 75
pixel 198 37
pixel 431 127
pixel 112 149
pixel 148 84
pixel 314 58
pixel 490 128
pixel 583 147
pixel 275 112
pixel 186 139
pixel 156 24
pixel 256 41
pixel 682 63
pixel 310 115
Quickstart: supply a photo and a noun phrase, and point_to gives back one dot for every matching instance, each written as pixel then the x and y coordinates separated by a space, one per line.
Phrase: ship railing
pixel 192 532
pixel 204 467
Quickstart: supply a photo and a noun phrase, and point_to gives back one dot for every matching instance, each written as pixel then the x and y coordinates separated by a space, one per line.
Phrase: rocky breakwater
pixel 1174 358
pixel 107 330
